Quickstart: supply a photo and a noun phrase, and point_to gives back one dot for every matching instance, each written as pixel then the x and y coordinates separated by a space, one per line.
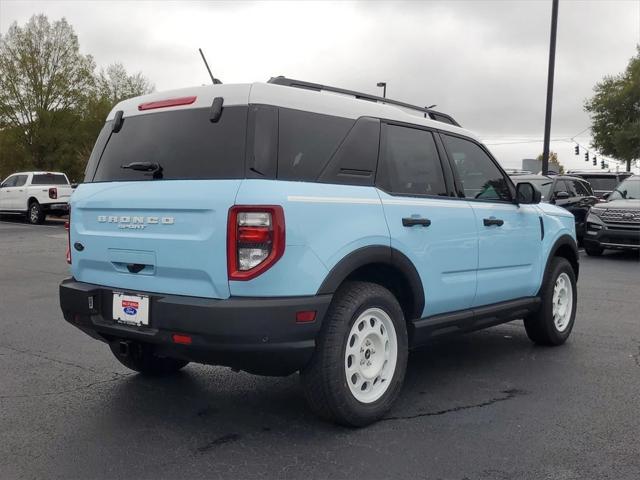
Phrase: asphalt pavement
pixel 488 405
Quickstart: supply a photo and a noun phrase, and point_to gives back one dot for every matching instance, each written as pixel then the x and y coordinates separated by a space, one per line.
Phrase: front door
pixel 7 192
pixel 436 232
pixel 509 235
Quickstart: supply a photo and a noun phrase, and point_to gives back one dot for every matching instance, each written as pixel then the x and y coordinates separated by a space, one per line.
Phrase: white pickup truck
pixel 35 194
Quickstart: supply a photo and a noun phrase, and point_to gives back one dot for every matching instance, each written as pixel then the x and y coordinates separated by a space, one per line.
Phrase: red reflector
pixel 305 316
pixel 182 339
pixel 170 102
pixel 254 234
pixel 67 227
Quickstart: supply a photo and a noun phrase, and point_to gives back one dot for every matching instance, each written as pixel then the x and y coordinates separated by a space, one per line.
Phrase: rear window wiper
pixel 153 167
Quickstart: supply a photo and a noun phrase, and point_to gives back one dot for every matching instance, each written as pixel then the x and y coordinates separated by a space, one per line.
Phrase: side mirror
pixel 526 193
pixel 606 195
pixel 562 195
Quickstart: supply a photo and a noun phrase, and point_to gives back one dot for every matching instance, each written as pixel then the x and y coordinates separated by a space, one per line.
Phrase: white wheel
pixel 562 302
pixel 371 355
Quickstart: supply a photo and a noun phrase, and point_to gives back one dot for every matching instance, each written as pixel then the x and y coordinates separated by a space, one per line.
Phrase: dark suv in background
pixel 602 183
pixel 615 223
pixel 572 193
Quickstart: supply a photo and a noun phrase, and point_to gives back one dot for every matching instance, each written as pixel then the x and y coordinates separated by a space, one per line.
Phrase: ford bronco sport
pixel 289 226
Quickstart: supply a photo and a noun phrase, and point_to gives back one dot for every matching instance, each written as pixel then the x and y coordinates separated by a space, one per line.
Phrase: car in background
pixel 602 183
pixel 572 193
pixel 35 195
pixel 615 223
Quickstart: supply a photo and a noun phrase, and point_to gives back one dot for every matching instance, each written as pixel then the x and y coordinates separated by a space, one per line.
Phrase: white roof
pixel 283 96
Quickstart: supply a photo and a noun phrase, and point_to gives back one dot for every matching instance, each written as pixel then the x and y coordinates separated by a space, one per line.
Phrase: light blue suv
pixel 289 226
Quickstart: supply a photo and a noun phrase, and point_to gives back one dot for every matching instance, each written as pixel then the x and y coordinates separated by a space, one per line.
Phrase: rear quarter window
pixel 185 143
pixel 307 141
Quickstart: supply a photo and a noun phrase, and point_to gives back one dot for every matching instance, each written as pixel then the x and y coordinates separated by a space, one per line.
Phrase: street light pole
pixel 552 64
pixel 384 88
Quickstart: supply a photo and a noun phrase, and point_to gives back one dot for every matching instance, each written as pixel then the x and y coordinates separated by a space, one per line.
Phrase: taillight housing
pixel 53 193
pixel 67 227
pixel 255 239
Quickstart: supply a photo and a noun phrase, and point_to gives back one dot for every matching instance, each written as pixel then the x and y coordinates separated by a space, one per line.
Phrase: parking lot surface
pixel 488 405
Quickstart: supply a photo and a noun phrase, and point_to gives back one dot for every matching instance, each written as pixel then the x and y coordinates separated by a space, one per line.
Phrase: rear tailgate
pixel 164 237
pixel 152 215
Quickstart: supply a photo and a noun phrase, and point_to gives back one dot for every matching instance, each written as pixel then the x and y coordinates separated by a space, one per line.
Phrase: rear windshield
pixel 184 143
pixel 607 183
pixel 49 179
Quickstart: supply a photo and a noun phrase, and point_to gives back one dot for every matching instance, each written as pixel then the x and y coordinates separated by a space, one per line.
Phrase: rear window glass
pixel 307 142
pixel 49 179
pixel 183 142
pixel 607 183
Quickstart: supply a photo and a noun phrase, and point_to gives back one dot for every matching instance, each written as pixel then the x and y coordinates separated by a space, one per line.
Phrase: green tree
pixel 553 161
pixel 615 114
pixel 52 104
pixel 44 84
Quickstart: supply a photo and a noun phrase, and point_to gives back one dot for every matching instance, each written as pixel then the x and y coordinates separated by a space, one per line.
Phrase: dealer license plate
pixel 131 309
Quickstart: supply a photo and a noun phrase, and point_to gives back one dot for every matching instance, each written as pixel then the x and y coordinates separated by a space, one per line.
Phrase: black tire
pixel 593 251
pixel 540 326
pixel 140 358
pixel 325 380
pixel 35 214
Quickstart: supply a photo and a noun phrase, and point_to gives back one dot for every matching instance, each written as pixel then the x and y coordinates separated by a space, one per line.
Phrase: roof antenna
pixel 213 79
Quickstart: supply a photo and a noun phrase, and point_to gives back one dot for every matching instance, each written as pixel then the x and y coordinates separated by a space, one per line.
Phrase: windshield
pixel 180 144
pixel 627 190
pixel 542 184
pixel 49 179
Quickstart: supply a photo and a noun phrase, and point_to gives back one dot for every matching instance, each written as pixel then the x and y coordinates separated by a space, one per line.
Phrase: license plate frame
pixel 131 309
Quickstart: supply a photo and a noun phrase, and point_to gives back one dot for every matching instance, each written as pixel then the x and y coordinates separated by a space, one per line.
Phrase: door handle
pixel 411 221
pixel 488 222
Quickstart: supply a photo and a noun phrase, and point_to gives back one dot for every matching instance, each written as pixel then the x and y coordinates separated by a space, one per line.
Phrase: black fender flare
pixel 376 254
pixel 564 240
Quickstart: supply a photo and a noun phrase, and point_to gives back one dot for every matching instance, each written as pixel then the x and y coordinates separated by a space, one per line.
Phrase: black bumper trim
pixel 259 335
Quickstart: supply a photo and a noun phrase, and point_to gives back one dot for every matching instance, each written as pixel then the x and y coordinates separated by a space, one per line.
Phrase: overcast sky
pixel 484 62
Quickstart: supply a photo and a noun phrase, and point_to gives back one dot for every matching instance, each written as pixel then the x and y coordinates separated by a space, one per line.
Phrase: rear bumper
pixel 59 207
pixel 259 335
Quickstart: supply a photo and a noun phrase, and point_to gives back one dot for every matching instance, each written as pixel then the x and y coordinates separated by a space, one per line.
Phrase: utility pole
pixel 552 64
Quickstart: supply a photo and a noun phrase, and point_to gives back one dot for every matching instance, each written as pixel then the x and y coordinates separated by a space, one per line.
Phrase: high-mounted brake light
pixel 53 193
pixel 170 102
pixel 255 239
pixel 67 227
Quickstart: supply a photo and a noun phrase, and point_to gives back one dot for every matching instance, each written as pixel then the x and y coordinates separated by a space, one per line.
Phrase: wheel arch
pixel 385 266
pixel 565 246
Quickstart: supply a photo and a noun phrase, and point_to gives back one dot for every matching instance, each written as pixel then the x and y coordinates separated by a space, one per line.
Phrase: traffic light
pixel 595 160
pixel 602 164
pixel 577 150
pixel 586 156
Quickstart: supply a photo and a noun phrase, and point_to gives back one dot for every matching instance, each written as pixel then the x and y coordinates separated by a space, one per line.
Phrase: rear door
pixel 160 227
pixel 435 231
pixel 509 235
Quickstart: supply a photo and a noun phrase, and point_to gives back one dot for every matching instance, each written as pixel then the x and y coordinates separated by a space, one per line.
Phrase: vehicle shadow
pixel 214 404
pixel 19 219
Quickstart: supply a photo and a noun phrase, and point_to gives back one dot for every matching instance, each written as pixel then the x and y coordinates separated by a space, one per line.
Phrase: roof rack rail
pixel 433 114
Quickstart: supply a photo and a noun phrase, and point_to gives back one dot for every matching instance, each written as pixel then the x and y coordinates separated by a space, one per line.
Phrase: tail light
pixel 53 193
pixel 67 227
pixel 255 240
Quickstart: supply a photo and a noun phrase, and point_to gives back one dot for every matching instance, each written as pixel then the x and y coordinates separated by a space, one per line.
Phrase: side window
pixel 481 179
pixel 579 188
pixel 306 142
pixel 10 181
pixel 21 180
pixel 409 162
pixel 560 186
